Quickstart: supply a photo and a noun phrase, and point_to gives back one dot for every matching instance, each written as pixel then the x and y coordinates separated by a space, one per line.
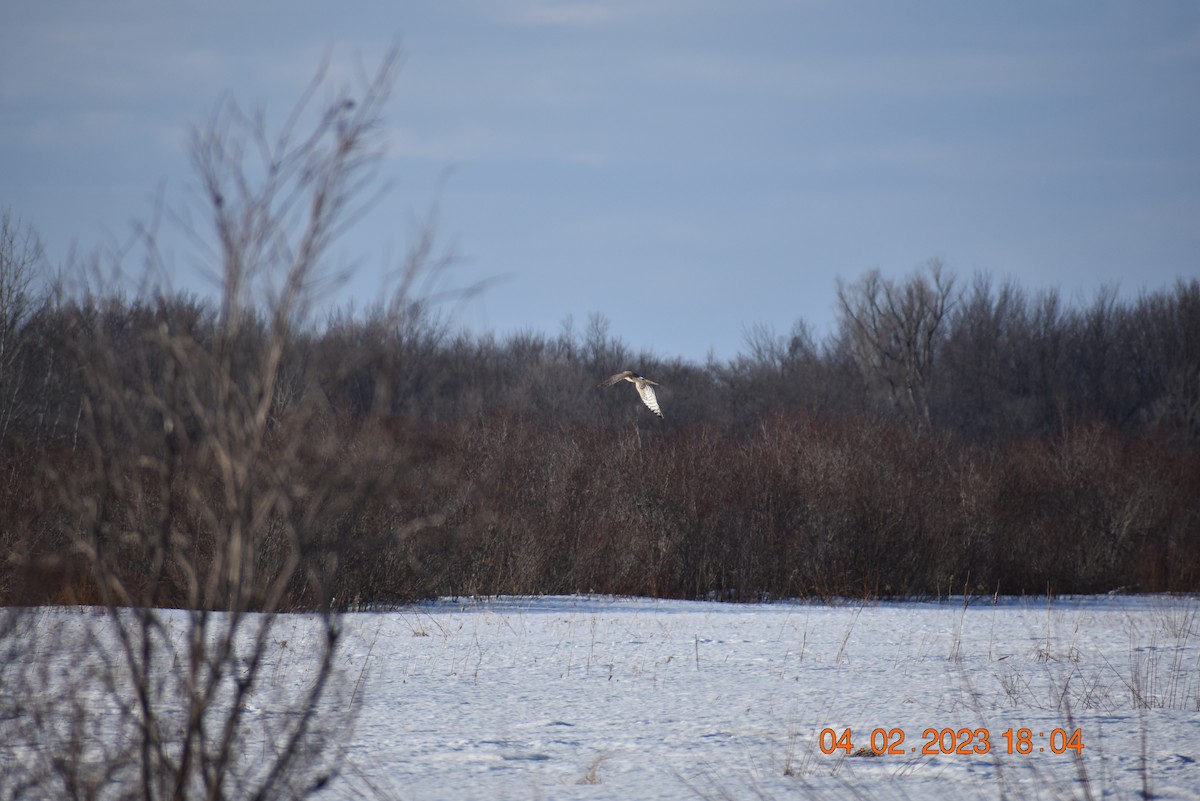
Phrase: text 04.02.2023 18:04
pixel 1020 741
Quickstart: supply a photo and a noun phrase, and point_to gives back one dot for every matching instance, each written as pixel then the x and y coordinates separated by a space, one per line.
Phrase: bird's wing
pixel 610 381
pixel 648 397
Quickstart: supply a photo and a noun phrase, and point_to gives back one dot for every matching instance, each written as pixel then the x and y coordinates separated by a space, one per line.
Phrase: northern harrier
pixel 645 388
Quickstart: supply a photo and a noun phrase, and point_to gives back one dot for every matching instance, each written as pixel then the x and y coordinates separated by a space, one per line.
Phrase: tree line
pixel 946 437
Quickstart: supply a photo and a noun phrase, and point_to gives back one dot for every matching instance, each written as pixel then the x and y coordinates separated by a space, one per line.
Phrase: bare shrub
pixel 207 475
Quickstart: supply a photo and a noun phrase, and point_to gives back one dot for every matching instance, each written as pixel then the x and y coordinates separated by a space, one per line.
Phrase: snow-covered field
pixel 594 698
pixel 616 698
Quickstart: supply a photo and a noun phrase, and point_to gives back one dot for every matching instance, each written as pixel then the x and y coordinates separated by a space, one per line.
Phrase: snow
pixel 635 698
pixel 601 697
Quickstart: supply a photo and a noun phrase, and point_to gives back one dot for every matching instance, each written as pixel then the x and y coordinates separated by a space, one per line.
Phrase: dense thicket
pixel 945 438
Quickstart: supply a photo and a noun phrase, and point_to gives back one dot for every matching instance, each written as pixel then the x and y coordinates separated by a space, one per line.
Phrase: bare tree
pixel 21 253
pixel 1164 346
pixel 205 480
pixel 894 330
pixel 980 393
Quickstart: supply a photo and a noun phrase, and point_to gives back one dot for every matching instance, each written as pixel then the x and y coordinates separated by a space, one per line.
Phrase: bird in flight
pixel 645 388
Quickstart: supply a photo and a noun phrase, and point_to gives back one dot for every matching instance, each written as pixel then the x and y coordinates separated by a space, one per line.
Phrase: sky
pixel 687 170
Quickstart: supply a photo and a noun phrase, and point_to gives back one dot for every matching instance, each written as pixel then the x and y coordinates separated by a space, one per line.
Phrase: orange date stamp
pixel 966 741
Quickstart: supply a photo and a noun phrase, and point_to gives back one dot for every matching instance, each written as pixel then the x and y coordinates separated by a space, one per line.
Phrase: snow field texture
pixel 634 698
pixel 601 698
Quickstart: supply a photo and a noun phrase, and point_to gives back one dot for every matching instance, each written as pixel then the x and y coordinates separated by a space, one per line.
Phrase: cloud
pixel 569 15
pixel 587 14
pixel 1185 49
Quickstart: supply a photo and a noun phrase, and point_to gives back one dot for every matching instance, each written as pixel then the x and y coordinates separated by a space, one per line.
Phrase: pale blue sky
pixel 687 169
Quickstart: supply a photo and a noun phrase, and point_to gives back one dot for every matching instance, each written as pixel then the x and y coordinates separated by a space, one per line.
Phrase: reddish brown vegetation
pixel 1049 450
pixel 236 453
